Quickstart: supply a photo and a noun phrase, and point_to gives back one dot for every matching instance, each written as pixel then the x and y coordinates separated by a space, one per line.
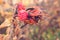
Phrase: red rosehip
pixel 22 15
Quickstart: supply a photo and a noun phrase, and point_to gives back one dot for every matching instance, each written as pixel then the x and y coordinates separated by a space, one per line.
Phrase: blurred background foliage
pixel 47 29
